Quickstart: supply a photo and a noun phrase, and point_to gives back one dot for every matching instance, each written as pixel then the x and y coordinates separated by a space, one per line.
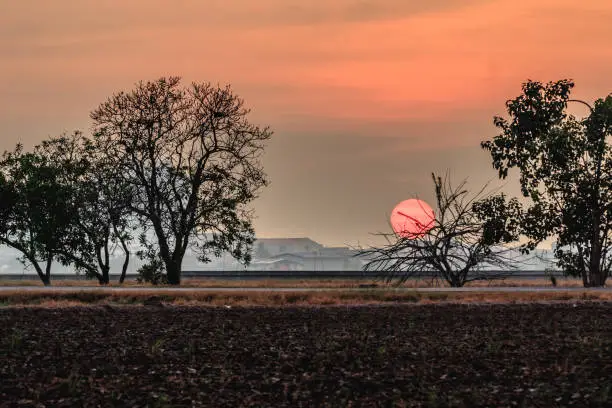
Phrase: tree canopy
pixel 191 159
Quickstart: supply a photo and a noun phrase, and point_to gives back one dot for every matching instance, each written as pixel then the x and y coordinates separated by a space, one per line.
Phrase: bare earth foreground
pixel 403 355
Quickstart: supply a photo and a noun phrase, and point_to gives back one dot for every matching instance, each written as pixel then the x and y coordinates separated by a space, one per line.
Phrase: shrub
pixel 153 272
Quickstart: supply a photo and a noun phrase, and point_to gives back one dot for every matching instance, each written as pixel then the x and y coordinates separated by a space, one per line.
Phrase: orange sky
pixel 366 97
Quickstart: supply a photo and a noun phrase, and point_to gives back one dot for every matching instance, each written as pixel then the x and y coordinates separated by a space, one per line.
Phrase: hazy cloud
pixel 366 98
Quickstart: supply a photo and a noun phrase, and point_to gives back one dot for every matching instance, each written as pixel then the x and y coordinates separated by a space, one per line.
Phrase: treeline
pixel 175 168
pixel 166 166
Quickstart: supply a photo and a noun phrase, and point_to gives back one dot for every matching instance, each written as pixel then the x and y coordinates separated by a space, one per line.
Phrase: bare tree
pixel 191 159
pixel 465 237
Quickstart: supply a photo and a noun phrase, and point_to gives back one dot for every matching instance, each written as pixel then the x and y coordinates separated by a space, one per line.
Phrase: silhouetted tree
pixel 35 210
pixel 62 202
pixel 465 236
pixel 191 159
pixel 99 204
pixel 565 167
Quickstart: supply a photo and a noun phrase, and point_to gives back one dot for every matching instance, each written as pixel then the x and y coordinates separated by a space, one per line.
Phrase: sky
pixel 365 97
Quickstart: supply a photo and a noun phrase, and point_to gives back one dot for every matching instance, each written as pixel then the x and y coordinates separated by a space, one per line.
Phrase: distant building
pixel 302 254
pixel 278 264
pixel 266 247
pixel 320 261
pixel 289 254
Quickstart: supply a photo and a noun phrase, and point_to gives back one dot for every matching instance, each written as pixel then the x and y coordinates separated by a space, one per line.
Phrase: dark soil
pixel 432 355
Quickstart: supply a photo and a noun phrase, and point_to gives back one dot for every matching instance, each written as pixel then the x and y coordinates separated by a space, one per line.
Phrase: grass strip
pixel 159 297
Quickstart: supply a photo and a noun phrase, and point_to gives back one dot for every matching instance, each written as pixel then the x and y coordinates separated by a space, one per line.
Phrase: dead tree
pixel 464 243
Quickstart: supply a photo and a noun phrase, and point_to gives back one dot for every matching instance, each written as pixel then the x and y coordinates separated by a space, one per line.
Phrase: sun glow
pixel 412 218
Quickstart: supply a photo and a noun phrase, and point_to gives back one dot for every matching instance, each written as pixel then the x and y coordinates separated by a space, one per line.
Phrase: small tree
pixel 565 167
pixel 466 235
pixel 191 158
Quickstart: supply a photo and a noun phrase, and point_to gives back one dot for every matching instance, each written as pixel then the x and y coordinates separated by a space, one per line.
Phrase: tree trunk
pixel 126 260
pixel 47 280
pixel 585 278
pixel 43 277
pixel 103 264
pixel 597 277
pixel 173 271
pixel 173 267
pixel 124 269
pixel 454 278
pixel 104 278
pixel 106 268
pixel 457 281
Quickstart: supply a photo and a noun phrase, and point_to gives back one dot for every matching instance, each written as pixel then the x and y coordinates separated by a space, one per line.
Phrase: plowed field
pixel 371 356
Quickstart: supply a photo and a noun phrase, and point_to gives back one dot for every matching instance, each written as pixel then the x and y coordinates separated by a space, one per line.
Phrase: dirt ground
pixel 337 356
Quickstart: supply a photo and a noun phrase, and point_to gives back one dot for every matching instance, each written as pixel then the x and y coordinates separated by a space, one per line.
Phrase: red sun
pixel 412 218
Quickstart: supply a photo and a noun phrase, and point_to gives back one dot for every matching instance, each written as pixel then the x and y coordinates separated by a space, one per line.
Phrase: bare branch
pixel 455 249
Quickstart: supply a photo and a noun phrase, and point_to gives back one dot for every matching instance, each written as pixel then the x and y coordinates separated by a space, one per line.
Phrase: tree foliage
pixel 99 201
pixel 152 272
pixel 466 236
pixel 36 212
pixel 60 202
pixel 565 167
pixel 191 159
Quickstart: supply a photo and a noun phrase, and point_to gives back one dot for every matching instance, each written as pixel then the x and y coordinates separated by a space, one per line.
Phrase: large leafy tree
pixel 191 158
pixel 465 238
pixel 36 213
pixel 565 166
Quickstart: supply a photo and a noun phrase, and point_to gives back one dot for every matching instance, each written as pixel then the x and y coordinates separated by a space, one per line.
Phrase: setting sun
pixel 412 218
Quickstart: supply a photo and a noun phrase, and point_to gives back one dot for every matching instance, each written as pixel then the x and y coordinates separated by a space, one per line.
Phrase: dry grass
pixel 268 298
pixel 307 283
pixel 561 282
